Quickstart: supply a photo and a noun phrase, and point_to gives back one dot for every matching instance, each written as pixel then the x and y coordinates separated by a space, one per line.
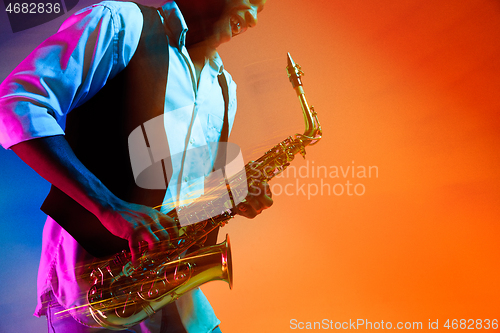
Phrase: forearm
pixel 53 159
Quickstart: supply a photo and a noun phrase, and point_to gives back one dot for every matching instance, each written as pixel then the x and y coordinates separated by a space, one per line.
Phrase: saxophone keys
pixel 128 309
pixel 151 290
pixel 303 152
pixel 314 113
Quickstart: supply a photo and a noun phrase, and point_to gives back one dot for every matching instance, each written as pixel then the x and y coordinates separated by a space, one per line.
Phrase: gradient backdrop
pixel 408 88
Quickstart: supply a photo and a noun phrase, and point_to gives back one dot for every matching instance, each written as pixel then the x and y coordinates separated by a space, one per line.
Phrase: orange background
pixel 409 87
pixel 406 86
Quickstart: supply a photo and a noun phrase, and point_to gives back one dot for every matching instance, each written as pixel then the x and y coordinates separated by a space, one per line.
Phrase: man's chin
pixel 220 38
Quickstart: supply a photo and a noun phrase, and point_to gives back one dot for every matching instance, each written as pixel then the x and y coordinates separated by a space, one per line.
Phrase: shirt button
pixel 191 141
pixel 185 179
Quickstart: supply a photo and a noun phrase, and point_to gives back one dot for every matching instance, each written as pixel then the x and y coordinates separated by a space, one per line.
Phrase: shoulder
pixel 117 8
pixel 116 25
pixel 116 13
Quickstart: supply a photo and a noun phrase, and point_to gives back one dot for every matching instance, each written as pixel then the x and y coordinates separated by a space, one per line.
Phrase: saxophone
pixel 122 295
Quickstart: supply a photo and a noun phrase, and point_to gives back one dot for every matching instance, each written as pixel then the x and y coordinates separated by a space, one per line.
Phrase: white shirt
pixel 70 67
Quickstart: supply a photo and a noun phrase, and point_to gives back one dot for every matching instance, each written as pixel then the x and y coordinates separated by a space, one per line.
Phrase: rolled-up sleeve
pixel 66 70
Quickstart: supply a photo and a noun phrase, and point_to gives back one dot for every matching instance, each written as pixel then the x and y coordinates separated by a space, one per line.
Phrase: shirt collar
pixel 216 62
pixel 174 22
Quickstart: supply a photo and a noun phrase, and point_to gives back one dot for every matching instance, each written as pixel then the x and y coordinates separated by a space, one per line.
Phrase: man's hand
pixel 259 198
pixel 140 225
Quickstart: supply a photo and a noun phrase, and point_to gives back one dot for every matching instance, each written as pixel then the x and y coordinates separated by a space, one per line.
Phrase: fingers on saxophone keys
pixel 267 189
pixel 165 227
pixel 140 241
pixel 167 233
pixel 262 193
pixel 246 210
pixel 135 250
pixel 252 207
pixel 259 198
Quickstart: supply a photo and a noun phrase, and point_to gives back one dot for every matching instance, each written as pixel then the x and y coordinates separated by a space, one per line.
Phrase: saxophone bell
pixel 162 286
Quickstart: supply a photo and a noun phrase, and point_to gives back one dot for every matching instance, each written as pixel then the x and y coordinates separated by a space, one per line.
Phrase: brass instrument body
pixel 122 295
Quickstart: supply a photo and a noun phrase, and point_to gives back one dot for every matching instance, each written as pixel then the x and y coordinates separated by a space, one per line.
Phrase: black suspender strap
pixel 224 134
pixel 220 160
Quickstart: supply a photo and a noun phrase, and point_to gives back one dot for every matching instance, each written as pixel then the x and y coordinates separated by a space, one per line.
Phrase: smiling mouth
pixel 236 25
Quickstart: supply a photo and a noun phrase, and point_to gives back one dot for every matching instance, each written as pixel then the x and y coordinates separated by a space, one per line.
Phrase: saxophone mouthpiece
pixel 291 63
pixel 294 72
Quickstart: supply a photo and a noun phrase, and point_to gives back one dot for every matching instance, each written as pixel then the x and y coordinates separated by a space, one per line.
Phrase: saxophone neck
pixel 312 133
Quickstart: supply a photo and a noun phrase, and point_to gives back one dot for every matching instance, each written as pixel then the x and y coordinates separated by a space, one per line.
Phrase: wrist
pixel 100 200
